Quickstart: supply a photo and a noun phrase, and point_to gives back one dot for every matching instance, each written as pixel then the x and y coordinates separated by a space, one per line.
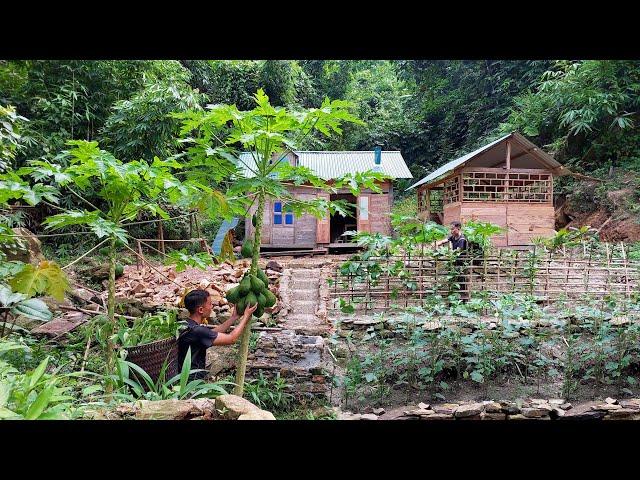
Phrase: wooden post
pixel 335 284
pixel 626 271
pixel 197 224
pixel 514 263
pixel 606 246
pixel 546 282
pixel 532 279
pixel 138 259
pixel 160 237
pixel 499 266
pixel 586 277
pixel 506 189
pixel 388 294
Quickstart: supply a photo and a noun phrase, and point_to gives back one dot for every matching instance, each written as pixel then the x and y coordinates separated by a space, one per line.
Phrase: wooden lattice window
pixel 435 201
pixel 502 186
pixel 452 190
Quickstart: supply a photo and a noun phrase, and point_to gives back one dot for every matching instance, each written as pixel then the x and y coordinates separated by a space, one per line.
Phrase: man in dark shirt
pixel 199 338
pixel 459 242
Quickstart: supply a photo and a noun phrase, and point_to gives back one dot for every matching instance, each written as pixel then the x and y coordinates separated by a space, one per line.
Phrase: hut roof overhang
pixel 524 154
pixel 330 165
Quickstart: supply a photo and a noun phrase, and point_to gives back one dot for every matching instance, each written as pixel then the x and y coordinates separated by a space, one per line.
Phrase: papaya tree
pixel 20 281
pixel 218 135
pixel 124 189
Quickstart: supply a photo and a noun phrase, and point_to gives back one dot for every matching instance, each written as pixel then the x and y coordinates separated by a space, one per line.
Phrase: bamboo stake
pixel 138 261
pixel 160 237
pixel 626 273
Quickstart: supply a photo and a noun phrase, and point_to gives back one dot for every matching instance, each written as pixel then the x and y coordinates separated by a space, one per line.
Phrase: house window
pixel 277 213
pixel 288 216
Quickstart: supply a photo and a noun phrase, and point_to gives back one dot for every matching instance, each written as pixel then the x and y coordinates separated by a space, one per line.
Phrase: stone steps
pixel 304 285
pixel 304 306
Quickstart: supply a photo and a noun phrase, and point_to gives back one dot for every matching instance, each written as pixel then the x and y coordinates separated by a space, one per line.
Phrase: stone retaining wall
pixel 299 359
pixel 529 409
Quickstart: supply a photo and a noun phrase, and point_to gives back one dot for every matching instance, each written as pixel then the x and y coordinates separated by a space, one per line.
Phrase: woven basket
pixel 151 357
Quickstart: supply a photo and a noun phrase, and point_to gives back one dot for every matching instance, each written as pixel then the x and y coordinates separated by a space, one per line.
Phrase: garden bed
pixel 507 347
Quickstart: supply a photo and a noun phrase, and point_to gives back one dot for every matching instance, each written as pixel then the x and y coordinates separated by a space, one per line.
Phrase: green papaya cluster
pixel 247 248
pixel 252 289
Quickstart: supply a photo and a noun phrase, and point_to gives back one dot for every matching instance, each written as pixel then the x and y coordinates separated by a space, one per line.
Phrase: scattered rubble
pixel 164 286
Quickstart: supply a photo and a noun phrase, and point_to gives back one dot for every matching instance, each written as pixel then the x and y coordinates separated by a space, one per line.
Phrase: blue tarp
pixel 216 246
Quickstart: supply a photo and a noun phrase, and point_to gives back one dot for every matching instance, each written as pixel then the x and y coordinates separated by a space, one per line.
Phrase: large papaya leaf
pixel 33 308
pixel 47 278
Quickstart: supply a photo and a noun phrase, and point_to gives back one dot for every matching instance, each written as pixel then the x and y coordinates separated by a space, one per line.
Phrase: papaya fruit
pixel 247 249
pixel 241 305
pixel 233 295
pixel 262 300
pixel 263 276
pixel 257 285
pixel 258 312
pixel 271 299
pixel 254 220
pixel 119 270
pixel 245 286
pixel 250 299
pixel 104 251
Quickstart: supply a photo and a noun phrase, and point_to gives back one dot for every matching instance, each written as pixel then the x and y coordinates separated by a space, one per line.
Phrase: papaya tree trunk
pixel 243 349
pixel 111 307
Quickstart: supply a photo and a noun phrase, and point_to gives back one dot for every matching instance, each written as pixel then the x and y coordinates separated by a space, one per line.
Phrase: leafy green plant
pixel 129 387
pixel 123 188
pixel 269 394
pixel 148 328
pixel 181 259
pixel 34 395
pixel 480 233
pixel 14 304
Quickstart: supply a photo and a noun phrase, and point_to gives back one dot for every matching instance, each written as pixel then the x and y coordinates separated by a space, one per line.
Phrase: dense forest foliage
pixel 584 112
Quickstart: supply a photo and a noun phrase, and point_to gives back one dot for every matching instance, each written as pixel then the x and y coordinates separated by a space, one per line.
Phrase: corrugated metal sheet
pixel 541 155
pixel 328 165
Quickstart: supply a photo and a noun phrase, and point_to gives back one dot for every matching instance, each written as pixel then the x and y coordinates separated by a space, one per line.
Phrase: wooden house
pixel 283 230
pixel 508 182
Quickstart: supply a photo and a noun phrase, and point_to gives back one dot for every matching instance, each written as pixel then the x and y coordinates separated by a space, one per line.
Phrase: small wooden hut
pixel 283 230
pixel 508 182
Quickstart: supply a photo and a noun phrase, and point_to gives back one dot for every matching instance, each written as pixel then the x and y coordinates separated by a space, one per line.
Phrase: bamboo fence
pixel 594 271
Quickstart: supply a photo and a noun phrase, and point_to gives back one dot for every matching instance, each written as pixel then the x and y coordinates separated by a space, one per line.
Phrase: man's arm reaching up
pixel 223 327
pixel 229 338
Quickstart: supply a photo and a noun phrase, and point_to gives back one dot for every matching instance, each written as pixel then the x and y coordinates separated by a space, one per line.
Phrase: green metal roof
pixel 333 164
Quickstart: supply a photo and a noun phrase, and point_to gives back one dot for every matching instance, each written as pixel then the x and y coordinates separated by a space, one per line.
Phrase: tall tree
pixel 268 133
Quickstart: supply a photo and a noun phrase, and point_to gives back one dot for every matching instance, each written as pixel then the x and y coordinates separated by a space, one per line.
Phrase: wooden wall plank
pixel 379 214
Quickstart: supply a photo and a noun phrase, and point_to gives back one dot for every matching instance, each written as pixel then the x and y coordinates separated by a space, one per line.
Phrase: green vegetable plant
pixel 270 394
pixel 35 395
pixel 147 329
